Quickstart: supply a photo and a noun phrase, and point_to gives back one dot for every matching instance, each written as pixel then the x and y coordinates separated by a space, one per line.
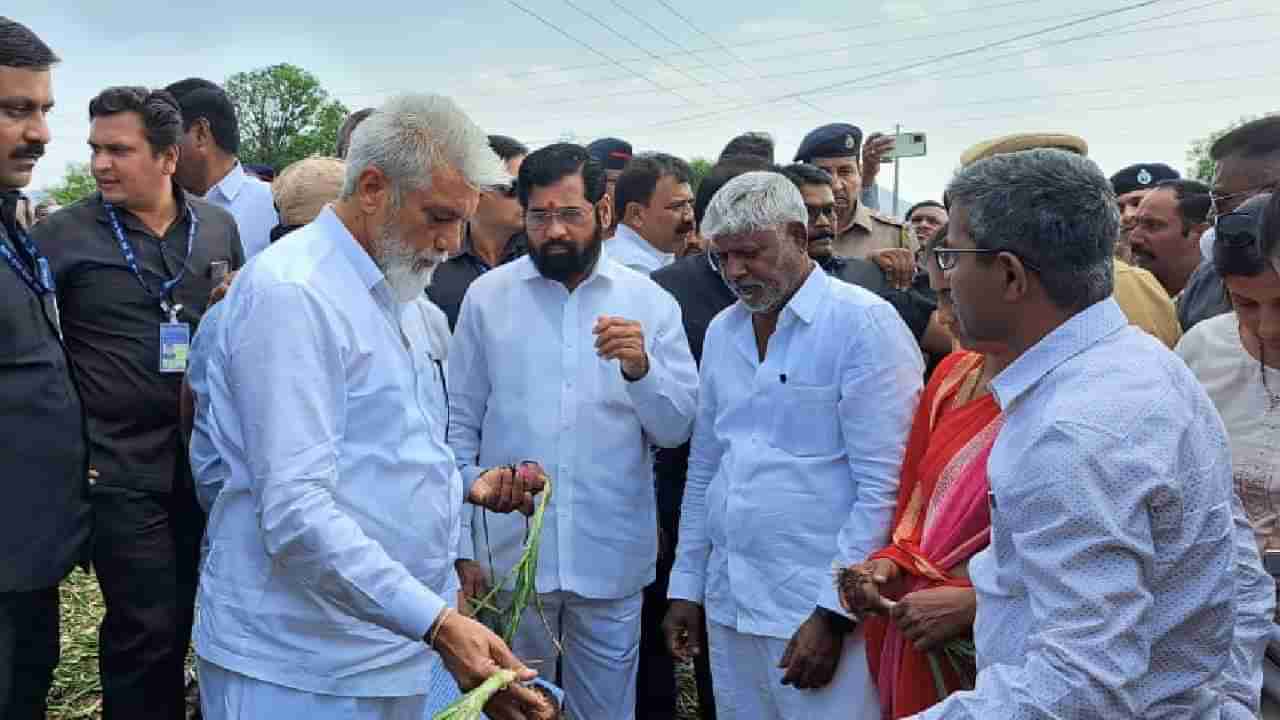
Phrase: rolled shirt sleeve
pixel 292 415
pixel 666 398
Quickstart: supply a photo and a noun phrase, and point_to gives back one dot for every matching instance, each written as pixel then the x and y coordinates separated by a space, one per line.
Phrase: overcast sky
pixel 684 77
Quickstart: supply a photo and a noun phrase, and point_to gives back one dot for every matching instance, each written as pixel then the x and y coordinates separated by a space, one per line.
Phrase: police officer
pixel 1131 185
pixel 837 148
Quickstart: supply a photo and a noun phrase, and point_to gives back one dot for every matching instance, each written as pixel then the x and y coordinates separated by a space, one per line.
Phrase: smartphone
pixel 906 145
pixel 1271 561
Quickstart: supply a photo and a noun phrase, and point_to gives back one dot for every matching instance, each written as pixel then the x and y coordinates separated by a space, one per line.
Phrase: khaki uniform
pixel 1145 302
pixel 871 231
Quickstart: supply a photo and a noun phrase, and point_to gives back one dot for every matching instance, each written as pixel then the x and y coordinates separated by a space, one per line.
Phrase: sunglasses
pixel 1237 247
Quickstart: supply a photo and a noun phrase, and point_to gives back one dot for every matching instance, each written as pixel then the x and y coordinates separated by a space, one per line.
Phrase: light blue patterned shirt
pixel 1108 590
pixel 335 533
pixel 795 460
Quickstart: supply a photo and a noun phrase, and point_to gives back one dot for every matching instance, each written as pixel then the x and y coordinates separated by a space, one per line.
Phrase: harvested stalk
pixel 524 577
pixel 471 705
pixel 958 653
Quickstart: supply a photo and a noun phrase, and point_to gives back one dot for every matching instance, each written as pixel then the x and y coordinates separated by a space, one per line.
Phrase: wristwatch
pixel 840 623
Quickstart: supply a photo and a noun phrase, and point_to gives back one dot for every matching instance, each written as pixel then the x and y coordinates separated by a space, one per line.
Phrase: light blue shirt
pixel 1109 586
pixel 628 248
pixel 249 201
pixel 207 468
pixel 795 460
pixel 525 383
pixel 336 530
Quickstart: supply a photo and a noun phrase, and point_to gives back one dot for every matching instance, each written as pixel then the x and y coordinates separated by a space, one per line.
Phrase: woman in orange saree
pixel 915 594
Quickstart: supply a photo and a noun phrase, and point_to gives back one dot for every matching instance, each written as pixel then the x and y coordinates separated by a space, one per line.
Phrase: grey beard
pixel 400 265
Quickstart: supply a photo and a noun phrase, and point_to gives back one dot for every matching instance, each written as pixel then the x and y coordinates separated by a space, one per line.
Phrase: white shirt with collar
pixel 525 383
pixel 249 201
pixel 1111 588
pixel 628 248
pixel 336 530
pixel 795 460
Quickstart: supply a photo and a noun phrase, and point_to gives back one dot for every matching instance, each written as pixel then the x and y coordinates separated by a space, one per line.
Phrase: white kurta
pixel 334 537
pixel 794 467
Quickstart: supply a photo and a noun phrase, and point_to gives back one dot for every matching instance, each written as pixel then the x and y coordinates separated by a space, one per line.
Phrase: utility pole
pixel 897 163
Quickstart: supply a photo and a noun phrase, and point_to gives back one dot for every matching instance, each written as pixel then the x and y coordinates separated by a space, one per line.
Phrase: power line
pixel 597 97
pixel 1130 30
pixel 591 48
pixel 612 62
pixel 797 36
pixel 931 60
pixel 936 108
pixel 864 86
pixel 737 58
pixel 629 41
pixel 1198 100
pixel 985 63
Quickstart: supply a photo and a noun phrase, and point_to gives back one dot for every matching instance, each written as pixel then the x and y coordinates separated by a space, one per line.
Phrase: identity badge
pixel 175 346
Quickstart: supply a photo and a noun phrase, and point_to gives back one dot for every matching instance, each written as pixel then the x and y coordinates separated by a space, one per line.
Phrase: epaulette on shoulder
pixel 887 219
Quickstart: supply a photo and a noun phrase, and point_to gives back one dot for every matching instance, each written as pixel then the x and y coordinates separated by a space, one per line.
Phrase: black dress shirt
pixel 451 280
pixel 112 328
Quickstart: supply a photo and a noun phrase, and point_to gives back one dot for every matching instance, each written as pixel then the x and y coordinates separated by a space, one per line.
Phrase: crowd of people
pixel 1014 455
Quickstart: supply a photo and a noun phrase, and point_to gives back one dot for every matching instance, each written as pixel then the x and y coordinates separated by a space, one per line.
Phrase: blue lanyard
pixel 166 288
pixel 39 285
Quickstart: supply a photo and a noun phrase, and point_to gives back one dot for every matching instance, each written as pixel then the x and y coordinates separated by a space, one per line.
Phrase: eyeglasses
pixel 1237 249
pixel 815 212
pixel 573 216
pixel 713 257
pixel 946 258
pixel 681 206
pixel 1223 204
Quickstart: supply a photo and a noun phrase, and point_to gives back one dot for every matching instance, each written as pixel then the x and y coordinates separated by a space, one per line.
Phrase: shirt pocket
pixel 806 420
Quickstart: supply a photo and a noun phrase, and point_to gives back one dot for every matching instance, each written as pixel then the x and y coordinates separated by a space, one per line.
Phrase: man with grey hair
pixel 336 530
pixel 1108 587
pixel 808 385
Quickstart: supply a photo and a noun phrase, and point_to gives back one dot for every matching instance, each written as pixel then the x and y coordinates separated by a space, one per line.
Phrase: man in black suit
pixel 44 521
pixel 702 294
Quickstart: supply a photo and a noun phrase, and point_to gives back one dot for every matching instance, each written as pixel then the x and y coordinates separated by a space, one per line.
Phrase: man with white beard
pixel 335 534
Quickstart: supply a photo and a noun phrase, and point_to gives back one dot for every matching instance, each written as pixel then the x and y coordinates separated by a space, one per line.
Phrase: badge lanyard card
pixel 41 282
pixel 175 336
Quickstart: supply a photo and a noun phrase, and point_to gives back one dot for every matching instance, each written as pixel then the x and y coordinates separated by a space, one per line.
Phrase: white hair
pixel 752 202
pixel 411 136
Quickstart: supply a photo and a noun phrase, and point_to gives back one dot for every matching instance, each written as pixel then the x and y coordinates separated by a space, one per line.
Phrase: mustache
pixel 33 151
pixel 684 228
pixel 821 235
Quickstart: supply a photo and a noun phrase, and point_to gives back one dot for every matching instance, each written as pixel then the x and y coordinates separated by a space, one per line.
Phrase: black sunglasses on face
pixel 1237 246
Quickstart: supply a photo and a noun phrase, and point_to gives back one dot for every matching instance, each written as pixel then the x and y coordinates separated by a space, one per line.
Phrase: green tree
pixel 699 168
pixel 77 183
pixel 285 115
pixel 1199 164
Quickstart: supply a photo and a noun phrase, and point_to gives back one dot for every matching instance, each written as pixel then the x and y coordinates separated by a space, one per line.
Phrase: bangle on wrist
pixel 435 629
